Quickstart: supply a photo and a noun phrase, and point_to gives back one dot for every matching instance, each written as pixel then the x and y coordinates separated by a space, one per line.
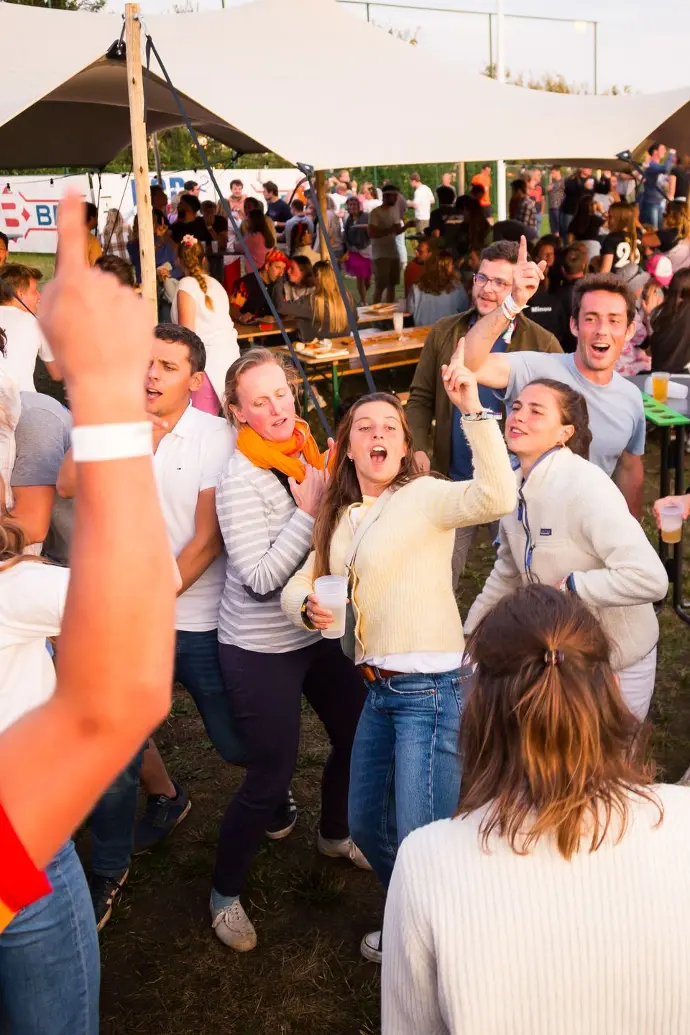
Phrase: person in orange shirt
pixel 483 179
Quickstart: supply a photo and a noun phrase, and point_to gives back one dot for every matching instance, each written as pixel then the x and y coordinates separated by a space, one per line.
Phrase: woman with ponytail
pixel 557 899
pixel 267 501
pixel 572 529
pixel 202 305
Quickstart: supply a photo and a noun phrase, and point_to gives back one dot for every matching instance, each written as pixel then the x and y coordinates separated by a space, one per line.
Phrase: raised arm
pixel 114 671
pixel 494 370
pixel 491 491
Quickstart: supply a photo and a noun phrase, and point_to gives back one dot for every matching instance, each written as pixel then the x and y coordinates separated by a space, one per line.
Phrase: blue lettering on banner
pixel 46 215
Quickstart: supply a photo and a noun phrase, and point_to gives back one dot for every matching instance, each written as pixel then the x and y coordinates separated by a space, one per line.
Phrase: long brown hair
pixel 343 488
pixel 327 294
pixel 12 541
pixel 438 276
pixel 622 218
pixel 192 260
pixel 548 743
pixel 573 409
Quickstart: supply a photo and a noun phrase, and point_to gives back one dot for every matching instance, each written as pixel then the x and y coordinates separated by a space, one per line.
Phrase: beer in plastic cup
pixel 331 592
pixel 671 517
pixel 660 386
pixel 398 321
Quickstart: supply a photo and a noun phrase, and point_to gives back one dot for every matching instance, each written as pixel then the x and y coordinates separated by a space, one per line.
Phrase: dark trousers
pixel 112 820
pixel 265 693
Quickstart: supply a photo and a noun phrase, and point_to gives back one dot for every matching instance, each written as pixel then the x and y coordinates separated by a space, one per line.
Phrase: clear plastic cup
pixel 671 517
pixel 398 321
pixel 331 592
pixel 660 381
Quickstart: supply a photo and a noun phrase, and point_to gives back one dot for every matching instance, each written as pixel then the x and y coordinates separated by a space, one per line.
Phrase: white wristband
pixel 95 442
pixel 510 308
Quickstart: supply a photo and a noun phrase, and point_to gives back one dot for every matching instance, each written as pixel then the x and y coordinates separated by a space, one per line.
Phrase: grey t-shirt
pixel 42 439
pixel 616 414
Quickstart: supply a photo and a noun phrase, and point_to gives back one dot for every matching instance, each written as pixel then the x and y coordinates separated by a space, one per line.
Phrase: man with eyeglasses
pixel 602 320
pixel 451 453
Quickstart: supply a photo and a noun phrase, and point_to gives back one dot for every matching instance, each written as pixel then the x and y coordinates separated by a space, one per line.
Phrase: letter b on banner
pixel 45 215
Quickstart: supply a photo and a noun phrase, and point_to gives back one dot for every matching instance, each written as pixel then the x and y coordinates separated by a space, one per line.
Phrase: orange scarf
pixel 283 456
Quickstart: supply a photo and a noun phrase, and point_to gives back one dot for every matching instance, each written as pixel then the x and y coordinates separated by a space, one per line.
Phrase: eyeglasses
pixel 483 280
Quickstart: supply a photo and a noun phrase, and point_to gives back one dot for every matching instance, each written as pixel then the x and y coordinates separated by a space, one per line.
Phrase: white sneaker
pixel 370 947
pixel 345 849
pixel 234 928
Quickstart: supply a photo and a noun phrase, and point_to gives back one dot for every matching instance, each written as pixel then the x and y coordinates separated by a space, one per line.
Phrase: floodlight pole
pixel 140 157
pixel 501 207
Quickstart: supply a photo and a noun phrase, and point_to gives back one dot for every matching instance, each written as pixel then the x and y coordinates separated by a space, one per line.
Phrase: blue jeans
pixel 565 221
pixel 198 669
pixel 405 768
pixel 650 212
pixel 49 961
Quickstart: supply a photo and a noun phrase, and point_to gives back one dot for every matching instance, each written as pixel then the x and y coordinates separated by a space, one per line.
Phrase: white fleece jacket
pixel 580 524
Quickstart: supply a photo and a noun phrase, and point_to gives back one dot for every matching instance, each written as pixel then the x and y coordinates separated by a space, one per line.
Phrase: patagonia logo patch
pixel 544 531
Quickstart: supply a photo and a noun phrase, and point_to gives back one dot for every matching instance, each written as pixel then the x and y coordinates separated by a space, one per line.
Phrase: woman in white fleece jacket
pixel 572 529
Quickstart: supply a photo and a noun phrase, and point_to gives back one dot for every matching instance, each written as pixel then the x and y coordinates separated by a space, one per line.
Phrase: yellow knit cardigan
pixel 403 594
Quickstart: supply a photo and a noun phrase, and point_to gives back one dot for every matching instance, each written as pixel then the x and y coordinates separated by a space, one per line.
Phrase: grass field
pixel 164 972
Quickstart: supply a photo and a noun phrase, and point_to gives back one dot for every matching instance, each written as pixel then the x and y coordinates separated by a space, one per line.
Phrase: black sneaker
pixel 160 818
pixel 104 891
pixel 284 821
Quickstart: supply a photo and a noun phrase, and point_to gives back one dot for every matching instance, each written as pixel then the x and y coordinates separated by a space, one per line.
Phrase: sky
pixel 635 46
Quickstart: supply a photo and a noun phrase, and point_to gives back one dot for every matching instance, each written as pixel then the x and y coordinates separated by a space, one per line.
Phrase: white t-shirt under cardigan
pixel 503 944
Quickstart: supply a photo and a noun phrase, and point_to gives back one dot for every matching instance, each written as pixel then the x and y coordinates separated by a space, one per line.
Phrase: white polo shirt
pixel 24 342
pixel 32 602
pixel 189 459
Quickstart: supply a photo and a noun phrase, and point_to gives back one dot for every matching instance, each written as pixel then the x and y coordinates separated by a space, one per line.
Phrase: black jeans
pixel 265 694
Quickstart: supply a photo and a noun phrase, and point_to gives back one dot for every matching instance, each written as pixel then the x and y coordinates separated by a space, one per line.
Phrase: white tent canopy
pixel 68 103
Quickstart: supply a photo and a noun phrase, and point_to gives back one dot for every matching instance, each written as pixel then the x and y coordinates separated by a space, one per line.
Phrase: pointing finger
pixel 522 249
pixel 71 236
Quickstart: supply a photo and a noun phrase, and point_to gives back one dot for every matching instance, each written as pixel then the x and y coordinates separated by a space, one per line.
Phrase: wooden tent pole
pixel 320 178
pixel 140 158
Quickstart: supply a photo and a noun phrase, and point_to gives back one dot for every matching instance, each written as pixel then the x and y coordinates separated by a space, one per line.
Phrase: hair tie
pixel 553 657
pixel 188 241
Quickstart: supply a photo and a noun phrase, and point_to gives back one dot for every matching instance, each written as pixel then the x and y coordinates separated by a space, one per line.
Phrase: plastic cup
pixel 671 517
pixel 398 322
pixel 660 386
pixel 331 592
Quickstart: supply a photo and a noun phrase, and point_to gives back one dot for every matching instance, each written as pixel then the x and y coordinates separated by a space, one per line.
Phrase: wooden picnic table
pixel 383 351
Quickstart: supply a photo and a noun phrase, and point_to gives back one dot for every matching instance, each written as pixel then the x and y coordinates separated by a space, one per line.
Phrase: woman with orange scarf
pixel 267 501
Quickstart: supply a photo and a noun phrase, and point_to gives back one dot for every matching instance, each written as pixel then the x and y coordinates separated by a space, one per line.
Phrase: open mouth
pixel 279 423
pixel 152 394
pixel 515 433
pixel 378 455
pixel 600 349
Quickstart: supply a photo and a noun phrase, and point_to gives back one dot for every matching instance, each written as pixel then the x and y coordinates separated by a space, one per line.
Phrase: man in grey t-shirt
pixel 603 319
pixel 42 438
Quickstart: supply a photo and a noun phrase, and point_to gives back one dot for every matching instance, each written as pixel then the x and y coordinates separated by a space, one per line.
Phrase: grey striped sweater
pixel 266 540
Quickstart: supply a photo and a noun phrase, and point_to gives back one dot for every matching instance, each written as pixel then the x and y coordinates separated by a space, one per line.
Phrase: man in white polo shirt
pixel 19 302
pixel 190 453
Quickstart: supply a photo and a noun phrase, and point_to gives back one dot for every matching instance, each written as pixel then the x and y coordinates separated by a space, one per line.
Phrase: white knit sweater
pixel 503 944
pixel 580 525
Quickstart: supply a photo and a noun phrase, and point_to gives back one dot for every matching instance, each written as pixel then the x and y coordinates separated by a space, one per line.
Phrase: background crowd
pixel 490 772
